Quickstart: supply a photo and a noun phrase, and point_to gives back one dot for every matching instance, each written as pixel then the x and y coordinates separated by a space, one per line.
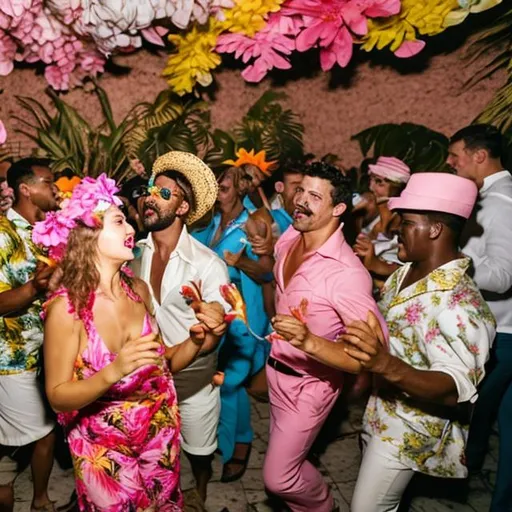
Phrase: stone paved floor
pixel 339 465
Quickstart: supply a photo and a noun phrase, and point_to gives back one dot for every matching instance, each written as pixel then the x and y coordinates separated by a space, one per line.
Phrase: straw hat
pixel 199 175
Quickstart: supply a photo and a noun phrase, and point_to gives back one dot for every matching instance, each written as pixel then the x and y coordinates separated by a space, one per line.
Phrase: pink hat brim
pixel 409 201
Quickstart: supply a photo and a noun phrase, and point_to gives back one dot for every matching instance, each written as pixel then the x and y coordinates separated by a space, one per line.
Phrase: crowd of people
pixel 138 322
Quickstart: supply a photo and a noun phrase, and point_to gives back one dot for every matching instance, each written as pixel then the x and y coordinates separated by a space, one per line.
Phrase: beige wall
pixel 376 95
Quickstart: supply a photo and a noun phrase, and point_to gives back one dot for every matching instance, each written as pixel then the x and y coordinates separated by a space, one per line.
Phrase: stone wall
pixel 332 106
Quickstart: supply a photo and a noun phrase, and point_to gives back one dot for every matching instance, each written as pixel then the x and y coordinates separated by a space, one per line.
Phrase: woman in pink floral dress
pixel 107 374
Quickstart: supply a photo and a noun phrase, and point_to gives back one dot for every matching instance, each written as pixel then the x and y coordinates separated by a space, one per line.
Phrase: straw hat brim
pixel 199 175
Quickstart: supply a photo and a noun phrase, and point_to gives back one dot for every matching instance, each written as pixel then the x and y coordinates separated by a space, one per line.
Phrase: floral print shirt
pixel 440 323
pixel 21 333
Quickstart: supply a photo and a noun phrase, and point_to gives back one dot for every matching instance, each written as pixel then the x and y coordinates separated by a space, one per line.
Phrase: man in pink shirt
pixel 321 287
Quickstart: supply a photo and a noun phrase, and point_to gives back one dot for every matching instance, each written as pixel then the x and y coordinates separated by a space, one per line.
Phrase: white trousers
pixel 381 481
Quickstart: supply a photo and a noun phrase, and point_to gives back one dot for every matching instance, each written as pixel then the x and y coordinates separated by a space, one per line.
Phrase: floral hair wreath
pixel 88 203
pixel 248 157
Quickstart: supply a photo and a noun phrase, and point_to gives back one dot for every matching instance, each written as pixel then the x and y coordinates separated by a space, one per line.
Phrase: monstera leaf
pixel 418 146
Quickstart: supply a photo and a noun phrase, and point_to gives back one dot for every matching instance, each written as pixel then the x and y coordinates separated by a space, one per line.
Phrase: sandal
pixel 226 478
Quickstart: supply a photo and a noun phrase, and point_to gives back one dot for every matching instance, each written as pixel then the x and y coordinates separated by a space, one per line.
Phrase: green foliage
pixel 494 40
pixel 72 143
pixel 268 126
pixel 154 128
pixel 419 147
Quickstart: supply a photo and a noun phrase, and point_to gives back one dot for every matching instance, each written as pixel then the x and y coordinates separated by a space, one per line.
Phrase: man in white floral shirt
pixel 440 330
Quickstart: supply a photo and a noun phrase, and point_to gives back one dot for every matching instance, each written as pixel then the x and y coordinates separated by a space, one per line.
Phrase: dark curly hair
pixel 342 191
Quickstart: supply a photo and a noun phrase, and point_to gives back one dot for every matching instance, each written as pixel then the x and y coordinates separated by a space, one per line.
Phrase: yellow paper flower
pixel 425 17
pixel 249 16
pixel 195 57
pixel 468 7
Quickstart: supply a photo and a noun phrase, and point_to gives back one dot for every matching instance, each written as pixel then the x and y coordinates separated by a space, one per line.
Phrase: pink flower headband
pixel 89 201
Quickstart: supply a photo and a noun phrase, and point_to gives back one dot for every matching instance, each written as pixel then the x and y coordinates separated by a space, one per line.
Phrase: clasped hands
pixel 211 321
pixel 363 341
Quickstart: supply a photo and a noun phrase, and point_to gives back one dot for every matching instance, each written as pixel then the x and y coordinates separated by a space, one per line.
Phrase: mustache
pixel 303 210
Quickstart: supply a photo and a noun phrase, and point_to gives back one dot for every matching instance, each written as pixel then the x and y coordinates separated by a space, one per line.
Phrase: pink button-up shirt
pixel 338 289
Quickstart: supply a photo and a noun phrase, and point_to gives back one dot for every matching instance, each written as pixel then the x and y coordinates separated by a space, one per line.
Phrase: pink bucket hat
pixel 390 168
pixel 437 192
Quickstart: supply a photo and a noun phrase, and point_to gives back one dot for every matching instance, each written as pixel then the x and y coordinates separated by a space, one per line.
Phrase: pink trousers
pixel 298 409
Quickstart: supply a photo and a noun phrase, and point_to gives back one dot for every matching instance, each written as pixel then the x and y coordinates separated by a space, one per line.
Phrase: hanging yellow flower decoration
pixel 194 58
pixel 425 17
pixel 249 16
pixel 468 7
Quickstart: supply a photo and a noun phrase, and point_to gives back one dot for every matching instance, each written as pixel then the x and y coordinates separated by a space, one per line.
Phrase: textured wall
pixel 371 94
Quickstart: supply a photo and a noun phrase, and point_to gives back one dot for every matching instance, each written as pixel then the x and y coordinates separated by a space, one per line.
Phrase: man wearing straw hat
pixel 181 190
pixel 440 331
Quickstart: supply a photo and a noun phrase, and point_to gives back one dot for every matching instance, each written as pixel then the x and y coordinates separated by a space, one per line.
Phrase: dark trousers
pixel 495 400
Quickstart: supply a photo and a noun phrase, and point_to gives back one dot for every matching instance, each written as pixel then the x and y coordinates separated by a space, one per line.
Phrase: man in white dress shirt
pixel 475 152
pixel 181 190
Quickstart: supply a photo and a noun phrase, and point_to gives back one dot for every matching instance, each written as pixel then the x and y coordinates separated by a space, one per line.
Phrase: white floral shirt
pixel 440 323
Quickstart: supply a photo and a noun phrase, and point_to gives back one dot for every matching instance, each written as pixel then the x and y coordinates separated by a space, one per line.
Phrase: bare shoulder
pixel 142 290
pixel 59 316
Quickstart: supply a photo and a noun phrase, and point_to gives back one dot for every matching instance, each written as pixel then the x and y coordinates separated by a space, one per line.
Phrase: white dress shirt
pixel 190 261
pixel 491 249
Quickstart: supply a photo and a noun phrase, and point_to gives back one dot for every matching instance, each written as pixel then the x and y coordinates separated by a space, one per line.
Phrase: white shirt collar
pixel 493 178
pixel 183 248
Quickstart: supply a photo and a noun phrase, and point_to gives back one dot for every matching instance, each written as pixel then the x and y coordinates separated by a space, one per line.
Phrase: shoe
pixel 242 462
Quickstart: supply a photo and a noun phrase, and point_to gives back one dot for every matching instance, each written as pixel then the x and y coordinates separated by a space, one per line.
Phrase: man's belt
pixel 282 368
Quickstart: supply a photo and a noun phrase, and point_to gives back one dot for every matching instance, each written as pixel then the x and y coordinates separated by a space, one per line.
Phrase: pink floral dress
pixel 125 445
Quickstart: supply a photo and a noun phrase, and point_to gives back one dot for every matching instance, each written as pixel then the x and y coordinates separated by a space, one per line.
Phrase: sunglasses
pixel 144 191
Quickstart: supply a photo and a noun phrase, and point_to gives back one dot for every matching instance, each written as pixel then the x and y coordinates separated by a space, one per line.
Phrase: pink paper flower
pixel 268 47
pixel 89 199
pixel 332 24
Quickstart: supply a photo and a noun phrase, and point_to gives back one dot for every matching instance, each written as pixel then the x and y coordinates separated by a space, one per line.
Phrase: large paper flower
pixel 419 17
pixel 194 58
pixel 332 24
pixel 268 48
pixel 249 16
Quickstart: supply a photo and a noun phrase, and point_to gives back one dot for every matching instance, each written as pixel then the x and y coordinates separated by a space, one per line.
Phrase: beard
pixel 158 221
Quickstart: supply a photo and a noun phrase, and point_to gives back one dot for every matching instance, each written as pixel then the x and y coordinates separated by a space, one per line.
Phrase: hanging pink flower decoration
pixel 332 25
pixel 269 47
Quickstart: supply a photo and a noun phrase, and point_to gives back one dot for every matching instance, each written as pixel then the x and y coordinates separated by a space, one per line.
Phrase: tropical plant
pixel 72 143
pixel 421 148
pixel 167 124
pixel 268 126
pixel 495 40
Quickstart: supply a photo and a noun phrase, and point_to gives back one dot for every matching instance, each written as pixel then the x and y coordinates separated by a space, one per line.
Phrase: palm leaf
pixel 418 146
pixel 267 126
pixel 495 40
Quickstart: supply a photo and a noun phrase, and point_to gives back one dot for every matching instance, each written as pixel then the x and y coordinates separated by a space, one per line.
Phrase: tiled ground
pixel 339 464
